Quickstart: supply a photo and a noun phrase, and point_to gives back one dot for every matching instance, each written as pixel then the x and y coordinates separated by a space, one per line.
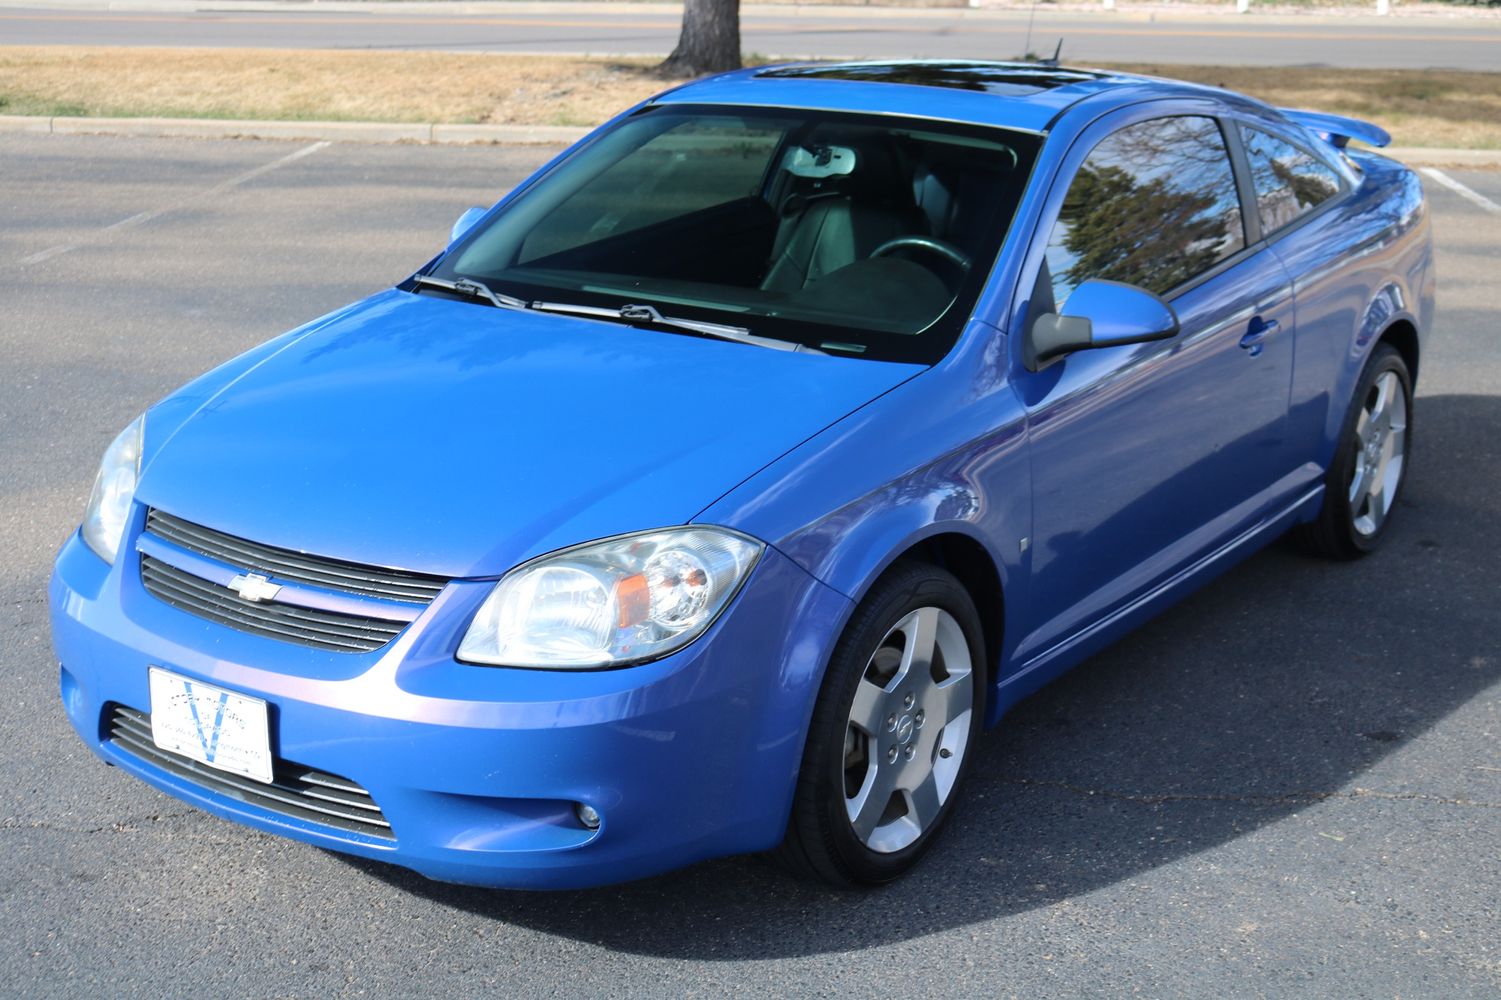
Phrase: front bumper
pixel 477 768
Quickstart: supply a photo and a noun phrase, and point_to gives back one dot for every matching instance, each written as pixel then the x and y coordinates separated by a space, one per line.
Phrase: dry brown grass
pixel 1444 108
pixel 1427 108
pixel 318 85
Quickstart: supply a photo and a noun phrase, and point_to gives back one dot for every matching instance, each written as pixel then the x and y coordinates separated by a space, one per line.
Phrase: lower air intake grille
pixel 323 629
pixel 297 791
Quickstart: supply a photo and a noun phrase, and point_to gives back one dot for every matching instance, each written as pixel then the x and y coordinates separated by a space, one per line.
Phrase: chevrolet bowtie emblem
pixel 254 587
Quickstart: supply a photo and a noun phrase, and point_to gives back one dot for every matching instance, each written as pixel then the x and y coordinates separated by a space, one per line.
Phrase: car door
pixel 1148 457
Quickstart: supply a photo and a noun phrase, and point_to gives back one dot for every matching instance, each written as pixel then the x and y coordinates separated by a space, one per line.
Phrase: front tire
pixel 893 732
pixel 1370 463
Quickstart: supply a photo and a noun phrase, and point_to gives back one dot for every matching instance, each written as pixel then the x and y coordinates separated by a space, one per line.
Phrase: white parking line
pixel 1464 192
pixel 141 217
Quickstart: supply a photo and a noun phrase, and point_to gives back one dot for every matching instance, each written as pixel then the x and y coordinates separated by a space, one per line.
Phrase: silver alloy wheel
pixel 908 730
pixel 1380 453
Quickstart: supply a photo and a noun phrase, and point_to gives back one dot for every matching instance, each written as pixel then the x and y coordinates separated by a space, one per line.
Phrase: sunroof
pixel 1006 79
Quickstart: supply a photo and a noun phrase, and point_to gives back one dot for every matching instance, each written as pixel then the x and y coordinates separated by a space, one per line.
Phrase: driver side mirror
pixel 1099 313
pixel 466 222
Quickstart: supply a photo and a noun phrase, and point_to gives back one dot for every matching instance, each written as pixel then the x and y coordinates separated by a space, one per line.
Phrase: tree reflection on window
pixel 1289 181
pixel 1153 205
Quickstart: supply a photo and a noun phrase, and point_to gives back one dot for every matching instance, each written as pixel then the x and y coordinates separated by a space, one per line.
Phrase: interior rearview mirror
pixel 1099 313
pixel 466 222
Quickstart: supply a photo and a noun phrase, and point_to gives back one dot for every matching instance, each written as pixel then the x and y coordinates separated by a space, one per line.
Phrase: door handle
pixel 1259 331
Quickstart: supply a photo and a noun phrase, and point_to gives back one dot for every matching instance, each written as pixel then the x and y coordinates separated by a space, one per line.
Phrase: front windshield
pixel 856 234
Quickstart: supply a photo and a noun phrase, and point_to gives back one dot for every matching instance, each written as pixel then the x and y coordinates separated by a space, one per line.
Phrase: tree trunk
pixel 710 40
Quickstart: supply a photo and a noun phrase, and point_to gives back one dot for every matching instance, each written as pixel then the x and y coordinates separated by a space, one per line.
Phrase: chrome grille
pixel 325 603
pixel 296 791
pixel 295 567
pixel 323 629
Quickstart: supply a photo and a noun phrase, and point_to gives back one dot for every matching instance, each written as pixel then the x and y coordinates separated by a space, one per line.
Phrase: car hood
pixel 445 437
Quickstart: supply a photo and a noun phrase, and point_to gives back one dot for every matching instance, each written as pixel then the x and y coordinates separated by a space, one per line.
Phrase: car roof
pixel 1020 95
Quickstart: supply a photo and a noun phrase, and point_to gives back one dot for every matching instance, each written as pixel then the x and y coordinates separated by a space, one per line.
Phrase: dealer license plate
pixel 222 729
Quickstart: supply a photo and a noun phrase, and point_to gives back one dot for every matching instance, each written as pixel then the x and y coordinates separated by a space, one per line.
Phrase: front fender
pixel 943 453
pixel 850 548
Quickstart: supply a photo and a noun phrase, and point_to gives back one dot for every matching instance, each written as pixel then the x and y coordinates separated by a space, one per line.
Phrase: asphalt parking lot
pixel 1288 786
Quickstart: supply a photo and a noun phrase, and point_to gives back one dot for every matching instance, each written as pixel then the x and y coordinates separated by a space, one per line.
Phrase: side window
pixel 1289 181
pixel 1153 205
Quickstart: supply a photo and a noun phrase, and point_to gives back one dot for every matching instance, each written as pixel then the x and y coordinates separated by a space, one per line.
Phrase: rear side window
pixel 1289 181
pixel 1153 205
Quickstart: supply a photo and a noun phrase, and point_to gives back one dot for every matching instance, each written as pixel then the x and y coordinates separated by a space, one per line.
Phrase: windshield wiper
pixel 631 313
pixel 473 289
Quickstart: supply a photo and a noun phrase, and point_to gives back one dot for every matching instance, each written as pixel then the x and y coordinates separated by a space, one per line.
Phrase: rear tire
pixel 893 732
pixel 1365 478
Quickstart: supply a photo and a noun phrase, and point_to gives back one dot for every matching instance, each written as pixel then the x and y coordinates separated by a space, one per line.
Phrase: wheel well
pixel 1404 337
pixel 968 560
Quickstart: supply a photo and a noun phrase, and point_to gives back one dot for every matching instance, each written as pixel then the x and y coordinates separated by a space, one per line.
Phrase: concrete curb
pixel 215 128
pixel 503 135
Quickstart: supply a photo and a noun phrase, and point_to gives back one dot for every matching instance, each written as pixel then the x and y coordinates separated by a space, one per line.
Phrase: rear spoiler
pixel 1337 130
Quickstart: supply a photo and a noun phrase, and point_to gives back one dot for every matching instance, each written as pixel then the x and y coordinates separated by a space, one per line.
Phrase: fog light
pixel 587 816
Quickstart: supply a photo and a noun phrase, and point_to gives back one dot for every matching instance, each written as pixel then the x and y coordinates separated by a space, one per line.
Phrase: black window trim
pixel 1240 163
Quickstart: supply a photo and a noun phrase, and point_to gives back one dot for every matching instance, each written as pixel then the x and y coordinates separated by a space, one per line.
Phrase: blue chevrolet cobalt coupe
pixel 714 490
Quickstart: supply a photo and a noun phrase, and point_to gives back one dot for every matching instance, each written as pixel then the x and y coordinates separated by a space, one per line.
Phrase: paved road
pixel 792 32
pixel 1288 786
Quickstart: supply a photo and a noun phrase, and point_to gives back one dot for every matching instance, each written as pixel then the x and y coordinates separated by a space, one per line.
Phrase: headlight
pixel 114 489
pixel 610 603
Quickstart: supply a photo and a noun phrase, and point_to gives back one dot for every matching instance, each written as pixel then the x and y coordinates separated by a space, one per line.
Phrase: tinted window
pixel 1289 181
pixel 1153 205
pixel 863 235
pixel 697 165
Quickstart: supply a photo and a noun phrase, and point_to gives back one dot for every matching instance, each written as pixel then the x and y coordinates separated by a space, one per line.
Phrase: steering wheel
pixel 945 250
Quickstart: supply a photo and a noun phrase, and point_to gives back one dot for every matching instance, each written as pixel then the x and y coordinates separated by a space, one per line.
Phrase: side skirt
pixel 1067 653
